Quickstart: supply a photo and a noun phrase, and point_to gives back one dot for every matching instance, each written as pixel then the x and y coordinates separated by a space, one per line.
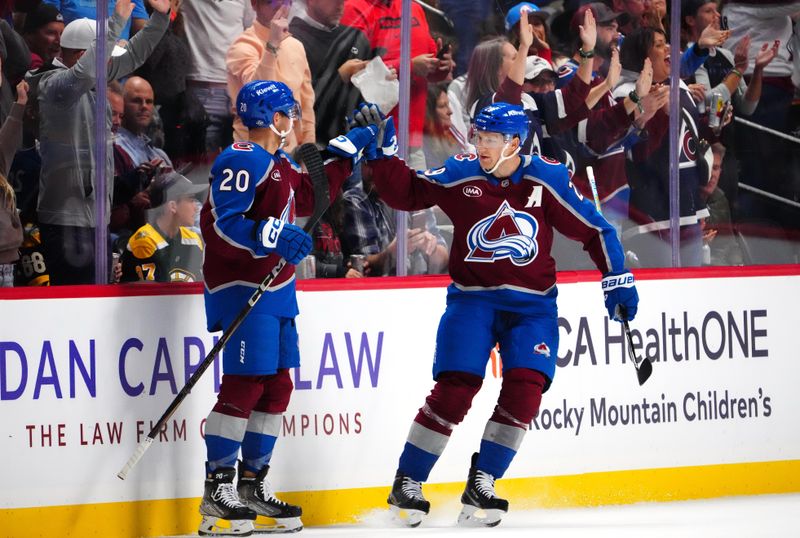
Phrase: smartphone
pixel 444 50
pixel 419 220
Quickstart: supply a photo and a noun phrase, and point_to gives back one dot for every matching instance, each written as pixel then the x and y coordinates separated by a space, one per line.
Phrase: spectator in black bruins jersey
pixel 166 249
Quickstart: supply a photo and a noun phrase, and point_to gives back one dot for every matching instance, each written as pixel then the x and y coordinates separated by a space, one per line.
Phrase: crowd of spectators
pixel 593 78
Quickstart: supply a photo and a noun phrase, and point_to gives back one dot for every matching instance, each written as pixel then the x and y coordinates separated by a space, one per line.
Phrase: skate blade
pixel 472 516
pixel 404 517
pixel 285 525
pixel 214 526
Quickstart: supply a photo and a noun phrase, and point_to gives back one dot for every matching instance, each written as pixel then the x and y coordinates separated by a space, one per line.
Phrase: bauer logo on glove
pixel 620 290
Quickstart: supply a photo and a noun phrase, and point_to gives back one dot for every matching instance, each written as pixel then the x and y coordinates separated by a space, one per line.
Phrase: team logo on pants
pixel 506 234
pixel 542 349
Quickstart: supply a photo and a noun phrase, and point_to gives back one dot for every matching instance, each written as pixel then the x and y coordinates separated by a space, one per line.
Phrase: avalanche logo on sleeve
pixel 506 234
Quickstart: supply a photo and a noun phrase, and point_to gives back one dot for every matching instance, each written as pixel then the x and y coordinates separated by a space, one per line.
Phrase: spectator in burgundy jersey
pixel 649 176
pixel 557 110
pixel 596 140
pixel 42 33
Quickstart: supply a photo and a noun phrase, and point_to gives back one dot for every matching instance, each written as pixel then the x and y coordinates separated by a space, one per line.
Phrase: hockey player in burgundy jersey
pixel 504 208
pixel 248 225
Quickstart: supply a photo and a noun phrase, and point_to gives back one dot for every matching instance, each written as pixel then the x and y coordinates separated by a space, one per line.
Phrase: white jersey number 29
pixel 242 180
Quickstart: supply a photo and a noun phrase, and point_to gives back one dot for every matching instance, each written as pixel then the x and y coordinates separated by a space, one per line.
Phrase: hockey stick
pixel 313 161
pixel 644 368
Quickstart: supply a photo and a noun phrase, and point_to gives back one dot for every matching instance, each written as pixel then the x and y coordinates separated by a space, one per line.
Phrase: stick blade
pixel 644 371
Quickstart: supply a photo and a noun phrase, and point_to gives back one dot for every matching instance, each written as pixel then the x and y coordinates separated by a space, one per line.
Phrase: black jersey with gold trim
pixel 151 256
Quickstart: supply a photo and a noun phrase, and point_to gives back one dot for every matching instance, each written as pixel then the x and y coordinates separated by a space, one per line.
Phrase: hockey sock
pixel 517 404
pixel 224 434
pixel 227 423
pixel 266 420
pixel 444 408
pixel 259 439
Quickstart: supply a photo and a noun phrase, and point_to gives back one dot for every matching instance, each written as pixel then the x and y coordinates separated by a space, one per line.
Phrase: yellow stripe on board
pixel 180 516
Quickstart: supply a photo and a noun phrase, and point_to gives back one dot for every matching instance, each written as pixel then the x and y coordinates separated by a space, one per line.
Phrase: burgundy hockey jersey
pixel 249 185
pixel 503 227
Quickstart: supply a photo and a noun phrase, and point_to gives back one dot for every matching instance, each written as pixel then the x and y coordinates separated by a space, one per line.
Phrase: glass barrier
pixel 698 167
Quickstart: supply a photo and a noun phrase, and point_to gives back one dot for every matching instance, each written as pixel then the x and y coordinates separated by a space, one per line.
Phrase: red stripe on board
pixel 345 284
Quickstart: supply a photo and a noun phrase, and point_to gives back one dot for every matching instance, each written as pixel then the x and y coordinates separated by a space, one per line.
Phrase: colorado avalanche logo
pixel 506 234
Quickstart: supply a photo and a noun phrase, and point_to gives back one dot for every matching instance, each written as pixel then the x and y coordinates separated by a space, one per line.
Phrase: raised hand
pixel 525 31
pixel 124 8
pixel 740 54
pixel 767 54
pixel 162 6
pixel 645 80
pixel 279 26
pixel 712 37
pixel 588 31
pixel 657 98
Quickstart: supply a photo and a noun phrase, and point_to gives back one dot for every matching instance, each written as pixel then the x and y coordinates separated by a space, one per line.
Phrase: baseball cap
pixel 535 65
pixel 175 186
pixel 515 14
pixel 43 14
pixel 81 33
pixel 602 14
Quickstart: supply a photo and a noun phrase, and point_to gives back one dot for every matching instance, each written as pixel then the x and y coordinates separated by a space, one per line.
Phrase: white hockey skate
pixel 482 508
pixel 222 511
pixel 274 515
pixel 406 502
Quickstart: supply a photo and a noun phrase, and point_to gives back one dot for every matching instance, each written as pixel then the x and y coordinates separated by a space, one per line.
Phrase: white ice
pixel 763 516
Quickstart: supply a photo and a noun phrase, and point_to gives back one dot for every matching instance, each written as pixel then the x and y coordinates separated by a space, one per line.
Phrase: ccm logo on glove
pixel 270 232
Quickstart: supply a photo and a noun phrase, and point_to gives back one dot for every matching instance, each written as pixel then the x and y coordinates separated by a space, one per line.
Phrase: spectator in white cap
pixel 77 37
pixel 66 205
pixel 540 77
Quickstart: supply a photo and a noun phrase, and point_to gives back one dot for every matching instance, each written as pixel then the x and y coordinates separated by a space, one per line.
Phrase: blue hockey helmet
pixel 503 118
pixel 259 100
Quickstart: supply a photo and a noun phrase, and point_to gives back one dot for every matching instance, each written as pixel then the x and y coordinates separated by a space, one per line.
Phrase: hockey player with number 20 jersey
pixel 248 225
pixel 504 208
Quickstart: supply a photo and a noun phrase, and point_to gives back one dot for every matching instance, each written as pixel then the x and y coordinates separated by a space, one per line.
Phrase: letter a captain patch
pixel 535 199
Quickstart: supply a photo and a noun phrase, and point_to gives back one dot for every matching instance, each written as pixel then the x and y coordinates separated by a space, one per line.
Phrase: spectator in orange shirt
pixel 266 51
